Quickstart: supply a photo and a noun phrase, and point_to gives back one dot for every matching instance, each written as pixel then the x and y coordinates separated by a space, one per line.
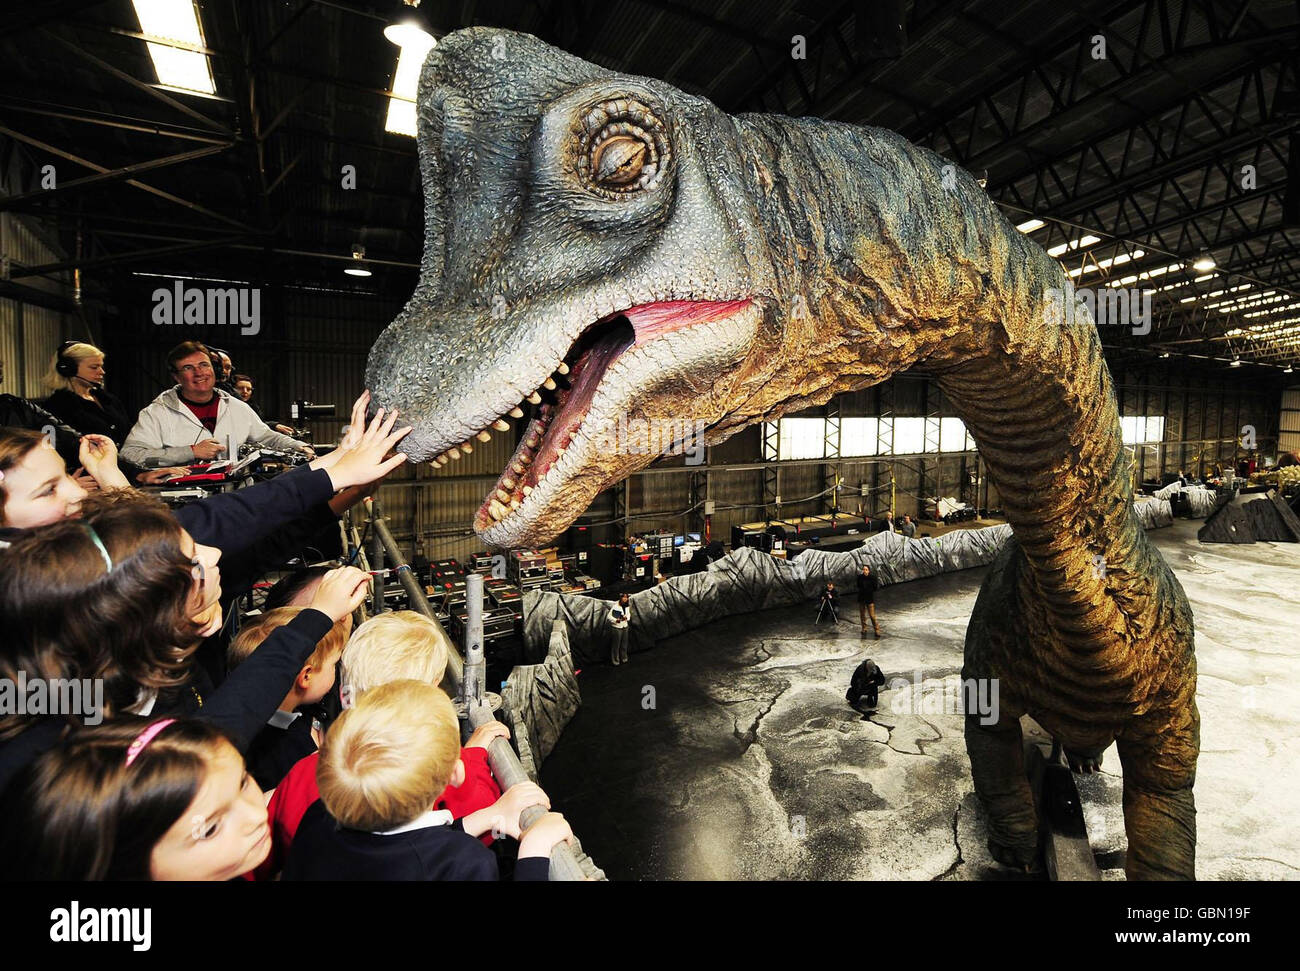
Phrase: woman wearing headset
pixel 76 377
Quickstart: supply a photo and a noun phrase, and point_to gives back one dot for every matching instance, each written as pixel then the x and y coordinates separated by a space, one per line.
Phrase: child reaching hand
pixel 288 735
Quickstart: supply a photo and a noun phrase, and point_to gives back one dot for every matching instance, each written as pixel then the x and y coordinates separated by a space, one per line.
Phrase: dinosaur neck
pixel 925 274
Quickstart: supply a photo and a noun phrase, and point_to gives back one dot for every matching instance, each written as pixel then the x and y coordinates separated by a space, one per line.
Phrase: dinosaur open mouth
pixel 562 403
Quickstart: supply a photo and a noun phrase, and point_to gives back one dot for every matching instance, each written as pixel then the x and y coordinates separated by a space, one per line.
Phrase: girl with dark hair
pixel 126 595
pixel 135 800
pixel 35 488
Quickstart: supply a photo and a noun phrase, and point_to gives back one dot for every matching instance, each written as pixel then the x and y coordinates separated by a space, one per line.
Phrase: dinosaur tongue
pixel 649 322
pixel 653 320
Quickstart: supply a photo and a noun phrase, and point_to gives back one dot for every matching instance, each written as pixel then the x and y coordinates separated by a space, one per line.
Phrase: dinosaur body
pixel 601 246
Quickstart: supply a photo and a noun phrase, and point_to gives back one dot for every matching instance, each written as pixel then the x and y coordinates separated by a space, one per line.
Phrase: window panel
pixel 952 435
pixel 859 436
pixel 909 436
pixel 803 438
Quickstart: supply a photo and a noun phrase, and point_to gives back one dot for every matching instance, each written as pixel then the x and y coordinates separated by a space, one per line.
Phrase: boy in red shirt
pixel 390 647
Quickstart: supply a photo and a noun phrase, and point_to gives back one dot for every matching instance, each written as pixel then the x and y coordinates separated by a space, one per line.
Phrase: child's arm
pixel 254 690
pixel 535 846
pixel 478 791
pixel 502 817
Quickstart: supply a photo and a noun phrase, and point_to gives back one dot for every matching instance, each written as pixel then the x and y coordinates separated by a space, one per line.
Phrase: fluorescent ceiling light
pixel 175 20
pixel 1031 225
pixel 415 45
pixel 1106 264
pixel 357 271
pixel 1073 244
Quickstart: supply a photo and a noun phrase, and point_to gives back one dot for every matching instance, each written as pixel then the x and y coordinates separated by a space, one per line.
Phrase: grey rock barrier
pixel 537 702
pixel 1200 500
pixel 1153 512
pixel 746 580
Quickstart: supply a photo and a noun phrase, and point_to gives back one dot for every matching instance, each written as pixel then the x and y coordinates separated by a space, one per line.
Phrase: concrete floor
pixel 729 753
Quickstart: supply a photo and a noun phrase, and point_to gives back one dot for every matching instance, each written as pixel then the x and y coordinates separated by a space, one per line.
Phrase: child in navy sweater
pixel 382 765
pixel 289 735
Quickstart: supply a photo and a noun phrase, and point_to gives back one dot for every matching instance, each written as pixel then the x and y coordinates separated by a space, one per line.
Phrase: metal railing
pixel 469 674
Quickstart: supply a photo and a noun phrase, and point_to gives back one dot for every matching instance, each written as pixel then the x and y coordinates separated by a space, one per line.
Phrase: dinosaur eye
pixel 618 160
pixel 623 149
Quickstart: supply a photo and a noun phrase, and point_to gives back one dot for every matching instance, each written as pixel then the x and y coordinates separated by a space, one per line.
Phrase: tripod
pixel 827 604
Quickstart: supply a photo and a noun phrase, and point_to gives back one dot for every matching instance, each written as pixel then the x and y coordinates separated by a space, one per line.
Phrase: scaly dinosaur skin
pixel 767 264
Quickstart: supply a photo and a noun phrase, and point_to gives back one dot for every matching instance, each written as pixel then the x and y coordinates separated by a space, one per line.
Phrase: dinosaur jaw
pixel 638 363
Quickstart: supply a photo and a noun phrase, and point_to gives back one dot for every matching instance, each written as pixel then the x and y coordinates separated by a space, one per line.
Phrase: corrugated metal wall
pixel 29 334
pixel 1289 436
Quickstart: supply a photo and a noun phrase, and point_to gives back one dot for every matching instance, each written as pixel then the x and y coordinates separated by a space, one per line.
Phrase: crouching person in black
pixel 863 688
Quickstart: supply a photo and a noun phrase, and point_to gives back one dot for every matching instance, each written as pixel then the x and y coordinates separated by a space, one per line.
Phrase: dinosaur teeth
pixel 503 495
pixel 563 368
pixel 496 510
pixel 528 490
pixel 453 453
pixel 502 425
pixel 484 436
pixel 514 504
pixel 508 482
pixel 466 447
pixel 516 412
pixel 535 398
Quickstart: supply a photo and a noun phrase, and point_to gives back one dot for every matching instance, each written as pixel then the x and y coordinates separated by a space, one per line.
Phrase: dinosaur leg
pixel 996 750
pixel 1159 758
pixel 997 764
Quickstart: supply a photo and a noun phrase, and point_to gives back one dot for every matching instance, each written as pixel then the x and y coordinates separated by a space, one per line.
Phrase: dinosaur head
pixel 585 266
pixel 600 254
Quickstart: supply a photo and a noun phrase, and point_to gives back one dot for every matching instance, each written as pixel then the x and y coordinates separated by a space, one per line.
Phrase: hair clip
pixel 145 737
pixel 99 544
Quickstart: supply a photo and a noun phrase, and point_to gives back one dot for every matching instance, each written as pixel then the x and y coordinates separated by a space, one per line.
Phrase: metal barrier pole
pixel 501 757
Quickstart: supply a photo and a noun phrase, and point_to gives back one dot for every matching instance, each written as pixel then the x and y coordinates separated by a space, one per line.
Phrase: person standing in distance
pixel 867 586
pixel 619 615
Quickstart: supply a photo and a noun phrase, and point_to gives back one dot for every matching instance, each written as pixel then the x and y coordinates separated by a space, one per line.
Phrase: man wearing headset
pixel 195 421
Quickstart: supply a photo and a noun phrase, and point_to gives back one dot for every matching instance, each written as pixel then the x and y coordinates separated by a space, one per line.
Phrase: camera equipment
pixel 827 603
pixel 303 410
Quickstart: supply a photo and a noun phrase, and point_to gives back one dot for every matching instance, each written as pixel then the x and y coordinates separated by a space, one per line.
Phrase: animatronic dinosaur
pixel 603 245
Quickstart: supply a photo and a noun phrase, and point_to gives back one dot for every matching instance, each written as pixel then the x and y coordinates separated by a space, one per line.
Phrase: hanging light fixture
pixel 414 36
pixel 358 267
pixel 409 27
pixel 1204 263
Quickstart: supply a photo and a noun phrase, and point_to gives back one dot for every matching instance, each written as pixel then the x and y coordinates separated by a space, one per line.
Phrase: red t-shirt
pixel 297 791
pixel 206 414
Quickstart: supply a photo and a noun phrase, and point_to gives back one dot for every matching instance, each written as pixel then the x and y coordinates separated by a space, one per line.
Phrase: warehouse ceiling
pixel 1146 136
